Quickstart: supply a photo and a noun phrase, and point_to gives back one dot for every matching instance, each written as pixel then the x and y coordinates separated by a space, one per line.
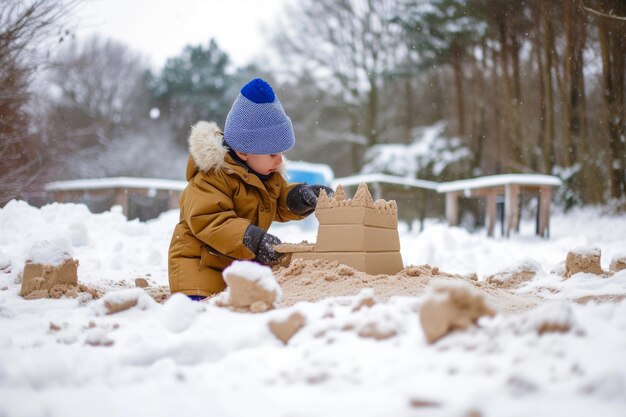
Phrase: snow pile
pixel 121 300
pixel 250 286
pixel 551 317
pixel 358 348
pixel 618 262
pixel 179 313
pixel 49 253
pixel 515 275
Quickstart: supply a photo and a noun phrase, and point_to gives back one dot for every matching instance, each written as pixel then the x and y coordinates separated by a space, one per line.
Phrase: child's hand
pixel 262 244
pixel 303 198
pixel 266 253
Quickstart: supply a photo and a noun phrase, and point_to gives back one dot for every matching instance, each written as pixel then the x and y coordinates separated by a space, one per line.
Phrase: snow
pixel 430 152
pixel 499 180
pixel 253 272
pixel 68 357
pixel 49 253
pixel 117 182
pixel 586 251
pixel 619 255
pixel 384 178
pixel 137 296
pixel 325 171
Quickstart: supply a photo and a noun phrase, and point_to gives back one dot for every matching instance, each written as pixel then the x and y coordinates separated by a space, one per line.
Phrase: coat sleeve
pixel 208 209
pixel 283 214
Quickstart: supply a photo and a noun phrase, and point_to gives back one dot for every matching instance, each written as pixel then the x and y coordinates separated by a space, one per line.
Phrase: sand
pixel 451 305
pixel 583 259
pixel 313 280
pixel 53 281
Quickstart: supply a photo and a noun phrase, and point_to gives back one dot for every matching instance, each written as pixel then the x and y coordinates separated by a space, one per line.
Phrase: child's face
pixel 263 164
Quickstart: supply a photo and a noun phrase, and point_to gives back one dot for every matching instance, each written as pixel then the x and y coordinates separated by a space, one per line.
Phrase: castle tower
pixel 359 232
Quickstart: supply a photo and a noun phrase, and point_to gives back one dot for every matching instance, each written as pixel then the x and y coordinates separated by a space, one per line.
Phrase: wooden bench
pixel 120 189
pixel 510 186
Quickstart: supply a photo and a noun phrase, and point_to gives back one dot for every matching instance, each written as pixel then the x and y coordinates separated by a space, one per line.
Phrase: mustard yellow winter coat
pixel 221 199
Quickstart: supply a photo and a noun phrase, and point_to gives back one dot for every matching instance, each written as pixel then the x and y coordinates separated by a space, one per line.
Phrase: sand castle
pixel 361 233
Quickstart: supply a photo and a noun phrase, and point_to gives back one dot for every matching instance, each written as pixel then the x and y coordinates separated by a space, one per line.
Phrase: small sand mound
pixel 50 281
pixel 285 329
pixel 507 301
pixel 583 259
pixel 516 275
pixel 251 287
pixel 450 306
pixel 618 263
pixel 553 317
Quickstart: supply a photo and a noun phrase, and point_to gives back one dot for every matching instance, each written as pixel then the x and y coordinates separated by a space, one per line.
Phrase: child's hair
pixel 257 122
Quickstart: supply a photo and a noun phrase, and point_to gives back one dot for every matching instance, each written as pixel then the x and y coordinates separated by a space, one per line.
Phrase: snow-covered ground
pixel 66 357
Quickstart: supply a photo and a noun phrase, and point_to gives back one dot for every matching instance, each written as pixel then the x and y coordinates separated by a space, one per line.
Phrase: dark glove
pixel 262 244
pixel 302 199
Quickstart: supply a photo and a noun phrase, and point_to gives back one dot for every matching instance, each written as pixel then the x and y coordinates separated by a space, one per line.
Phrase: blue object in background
pixel 310 173
pixel 296 175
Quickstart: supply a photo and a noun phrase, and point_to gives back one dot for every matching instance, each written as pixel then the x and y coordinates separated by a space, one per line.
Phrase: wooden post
pixel 511 207
pixel 545 197
pixel 61 196
pixel 121 198
pixel 491 212
pixel 452 208
pixel 173 199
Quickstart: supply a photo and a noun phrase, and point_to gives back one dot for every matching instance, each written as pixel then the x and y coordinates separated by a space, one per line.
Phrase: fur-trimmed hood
pixel 206 147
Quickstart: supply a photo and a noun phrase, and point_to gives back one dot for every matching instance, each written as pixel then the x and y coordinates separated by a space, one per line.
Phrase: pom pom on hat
pixel 257 122
pixel 258 91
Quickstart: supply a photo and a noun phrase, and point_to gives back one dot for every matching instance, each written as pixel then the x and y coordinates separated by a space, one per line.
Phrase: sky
pixel 160 29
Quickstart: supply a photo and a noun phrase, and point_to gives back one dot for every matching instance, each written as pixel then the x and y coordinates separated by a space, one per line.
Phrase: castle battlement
pixel 358 232
pixel 362 209
pixel 362 198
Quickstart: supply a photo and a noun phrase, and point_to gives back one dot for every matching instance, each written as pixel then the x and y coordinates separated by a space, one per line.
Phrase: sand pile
pixel 50 281
pixel 451 306
pixel 516 275
pixel 251 287
pixel 313 280
pixel 51 272
pixel 583 259
pixel 618 263
pixel 586 259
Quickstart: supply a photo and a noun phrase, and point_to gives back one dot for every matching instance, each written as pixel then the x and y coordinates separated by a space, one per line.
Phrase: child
pixel 236 189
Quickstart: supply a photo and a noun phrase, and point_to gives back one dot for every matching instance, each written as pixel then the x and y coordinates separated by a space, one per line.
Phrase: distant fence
pixel 146 198
pixel 424 197
pixel 140 198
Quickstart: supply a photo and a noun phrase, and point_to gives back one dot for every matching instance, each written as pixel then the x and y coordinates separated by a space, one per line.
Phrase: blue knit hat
pixel 257 122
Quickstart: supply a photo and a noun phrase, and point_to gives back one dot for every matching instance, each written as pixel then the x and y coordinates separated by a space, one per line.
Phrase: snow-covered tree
pixel 431 155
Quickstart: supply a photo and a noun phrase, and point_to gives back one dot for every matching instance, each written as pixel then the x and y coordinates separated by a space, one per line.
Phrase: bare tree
pixel 350 46
pixel 23 26
pixel 612 32
pixel 99 95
